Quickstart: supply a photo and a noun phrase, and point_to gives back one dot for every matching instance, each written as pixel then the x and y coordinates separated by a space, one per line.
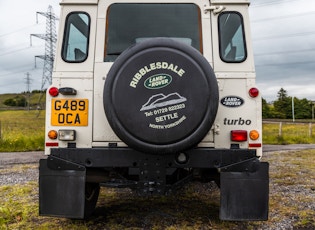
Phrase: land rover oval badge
pixel 232 101
pixel 158 81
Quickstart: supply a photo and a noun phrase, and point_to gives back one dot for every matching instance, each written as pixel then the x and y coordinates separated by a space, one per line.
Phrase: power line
pixel 18 50
pixel 285 36
pixel 283 17
pixel 285 52
pixel 18 30
pixel 287 63
pixel 15 46
pixel 272 3
pixel 22 69
pixel 14 51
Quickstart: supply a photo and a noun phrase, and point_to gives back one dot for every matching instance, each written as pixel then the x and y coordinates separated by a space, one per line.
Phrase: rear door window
pixel 232 38
pixel 132 23
pixel 76 37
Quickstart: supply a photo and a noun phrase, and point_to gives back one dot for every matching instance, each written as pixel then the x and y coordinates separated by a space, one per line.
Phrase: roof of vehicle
pixel 79 2
pixel 96 1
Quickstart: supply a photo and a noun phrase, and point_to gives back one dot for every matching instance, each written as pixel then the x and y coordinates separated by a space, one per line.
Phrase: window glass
pixel 76 37
pixel 232 38
pixel 132 23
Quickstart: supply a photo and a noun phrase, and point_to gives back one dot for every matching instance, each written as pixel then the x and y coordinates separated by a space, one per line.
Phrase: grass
pixel 194 207
pixel 22 130
pixel 35 98
pixel 293 171
pixel 291 133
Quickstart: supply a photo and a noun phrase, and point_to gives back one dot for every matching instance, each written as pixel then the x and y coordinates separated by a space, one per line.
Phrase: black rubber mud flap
pixel 245 195
pixel 62 192
pixel 161 96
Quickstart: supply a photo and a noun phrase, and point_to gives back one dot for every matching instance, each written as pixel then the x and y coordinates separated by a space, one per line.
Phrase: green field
pixel 288 133
pixel 22 130
pixel 34 99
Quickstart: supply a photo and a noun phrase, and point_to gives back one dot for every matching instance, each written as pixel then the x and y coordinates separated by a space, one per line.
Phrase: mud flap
pixel 245 195
pixel 61 190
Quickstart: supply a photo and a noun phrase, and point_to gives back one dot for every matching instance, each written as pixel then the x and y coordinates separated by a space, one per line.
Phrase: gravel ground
pixel 19 176
pixel 19 168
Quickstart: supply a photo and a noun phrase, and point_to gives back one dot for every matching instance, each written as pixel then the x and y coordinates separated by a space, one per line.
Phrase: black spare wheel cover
pixel 161 96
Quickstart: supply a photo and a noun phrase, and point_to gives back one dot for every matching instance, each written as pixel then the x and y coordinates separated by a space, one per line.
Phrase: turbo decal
pixel 239 121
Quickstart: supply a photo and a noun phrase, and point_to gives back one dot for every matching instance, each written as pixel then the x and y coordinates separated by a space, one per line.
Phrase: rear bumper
pixel 244 180
pixel 126 157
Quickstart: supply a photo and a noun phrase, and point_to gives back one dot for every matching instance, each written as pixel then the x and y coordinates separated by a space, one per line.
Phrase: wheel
pixel 161 96
pixel 92 191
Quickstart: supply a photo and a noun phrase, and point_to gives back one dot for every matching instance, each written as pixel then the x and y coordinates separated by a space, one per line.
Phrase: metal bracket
pixel 152 178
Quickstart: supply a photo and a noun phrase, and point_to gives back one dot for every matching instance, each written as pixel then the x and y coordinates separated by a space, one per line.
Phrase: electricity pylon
pixel 50 45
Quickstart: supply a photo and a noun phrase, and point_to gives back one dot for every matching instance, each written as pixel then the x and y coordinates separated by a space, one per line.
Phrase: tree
pixel 283 106
pixel 265 109
pixel 302 108
pixel 16 101
pixel 9 102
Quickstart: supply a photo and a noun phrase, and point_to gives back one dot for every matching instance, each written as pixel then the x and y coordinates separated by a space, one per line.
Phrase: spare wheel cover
pixel 161 96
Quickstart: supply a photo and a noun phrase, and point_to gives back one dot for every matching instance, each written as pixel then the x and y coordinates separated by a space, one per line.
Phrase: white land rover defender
pixel 150 95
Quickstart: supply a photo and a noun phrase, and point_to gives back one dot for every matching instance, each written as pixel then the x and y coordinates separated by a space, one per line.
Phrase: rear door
pixel 121 25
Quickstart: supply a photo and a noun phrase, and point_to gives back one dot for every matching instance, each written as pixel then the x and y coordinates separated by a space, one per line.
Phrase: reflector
pixel 51 144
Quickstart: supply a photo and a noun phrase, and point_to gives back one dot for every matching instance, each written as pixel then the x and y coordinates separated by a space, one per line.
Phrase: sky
pixel 283 36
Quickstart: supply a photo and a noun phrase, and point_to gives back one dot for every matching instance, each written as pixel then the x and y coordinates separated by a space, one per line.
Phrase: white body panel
pixel 88 77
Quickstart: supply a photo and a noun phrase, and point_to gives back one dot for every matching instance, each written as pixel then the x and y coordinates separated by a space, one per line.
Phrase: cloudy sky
pixel 283 34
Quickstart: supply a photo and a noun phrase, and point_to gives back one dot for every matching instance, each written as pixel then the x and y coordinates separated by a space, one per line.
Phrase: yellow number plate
pixel 69 112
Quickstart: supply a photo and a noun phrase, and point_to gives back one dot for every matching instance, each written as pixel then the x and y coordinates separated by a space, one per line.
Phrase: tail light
pixel 238 135
pixel 253 92
pixel 53 91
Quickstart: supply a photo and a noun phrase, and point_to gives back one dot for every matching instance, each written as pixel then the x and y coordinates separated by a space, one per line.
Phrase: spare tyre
pixel 161 96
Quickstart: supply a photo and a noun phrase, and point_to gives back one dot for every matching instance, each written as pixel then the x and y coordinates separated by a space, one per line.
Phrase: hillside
pixel 21 97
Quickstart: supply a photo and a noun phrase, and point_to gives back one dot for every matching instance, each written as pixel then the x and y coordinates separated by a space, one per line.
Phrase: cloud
pixel 17 57
pixel 283 37
pixel 284 47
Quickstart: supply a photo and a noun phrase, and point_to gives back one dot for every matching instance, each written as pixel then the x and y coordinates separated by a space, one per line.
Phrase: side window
pixel 76 37
pixel 231 37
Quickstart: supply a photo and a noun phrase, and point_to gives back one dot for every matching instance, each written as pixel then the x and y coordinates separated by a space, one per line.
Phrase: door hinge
pixel 214 9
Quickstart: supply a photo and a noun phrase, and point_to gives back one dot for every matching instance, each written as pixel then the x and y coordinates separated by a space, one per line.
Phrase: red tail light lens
pixel 53 91
pixel 253 92
pixel 238 135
